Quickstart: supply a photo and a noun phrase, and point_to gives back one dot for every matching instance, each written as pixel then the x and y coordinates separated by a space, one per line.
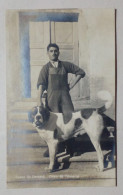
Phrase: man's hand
pixel 76 80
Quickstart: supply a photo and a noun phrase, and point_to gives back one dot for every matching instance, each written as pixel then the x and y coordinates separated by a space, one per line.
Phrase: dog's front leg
pixel 52 145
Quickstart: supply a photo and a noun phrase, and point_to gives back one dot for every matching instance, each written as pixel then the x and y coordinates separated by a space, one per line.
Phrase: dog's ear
pixel 45 114
pixel 30 116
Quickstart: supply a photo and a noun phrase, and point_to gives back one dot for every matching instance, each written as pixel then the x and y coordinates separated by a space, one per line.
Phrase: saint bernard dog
pixel 52 128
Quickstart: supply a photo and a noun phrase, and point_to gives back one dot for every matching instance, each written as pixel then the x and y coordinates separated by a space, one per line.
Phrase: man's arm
pixel 72 68
pixel 78 72
pixel 40 93
pixel 76 80
pixel 42 83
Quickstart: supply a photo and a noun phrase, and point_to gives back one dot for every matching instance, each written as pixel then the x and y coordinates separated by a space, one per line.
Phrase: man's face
pixel 53 53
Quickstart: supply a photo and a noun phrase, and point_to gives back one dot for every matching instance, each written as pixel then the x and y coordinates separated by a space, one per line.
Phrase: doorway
pixel 65 34
pixel 36 31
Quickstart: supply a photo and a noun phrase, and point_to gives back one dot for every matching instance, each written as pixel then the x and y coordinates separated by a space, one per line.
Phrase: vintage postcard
pixel 61 94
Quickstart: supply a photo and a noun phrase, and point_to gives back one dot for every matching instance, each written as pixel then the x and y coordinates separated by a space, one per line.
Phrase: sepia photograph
pixel 61 98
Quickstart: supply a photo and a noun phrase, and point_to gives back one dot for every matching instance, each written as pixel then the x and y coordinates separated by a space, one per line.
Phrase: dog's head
pixel 39 116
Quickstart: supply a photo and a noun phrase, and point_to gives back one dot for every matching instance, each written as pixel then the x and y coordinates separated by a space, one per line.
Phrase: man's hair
pixel 52 45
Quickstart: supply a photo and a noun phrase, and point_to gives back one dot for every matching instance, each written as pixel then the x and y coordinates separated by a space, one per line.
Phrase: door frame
pixel 24 19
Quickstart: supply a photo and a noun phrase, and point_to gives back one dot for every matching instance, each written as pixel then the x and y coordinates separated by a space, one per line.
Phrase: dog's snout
pixel 38 117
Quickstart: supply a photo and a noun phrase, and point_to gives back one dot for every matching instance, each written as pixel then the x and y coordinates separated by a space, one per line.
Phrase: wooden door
pixel 65 34
pixel 39 35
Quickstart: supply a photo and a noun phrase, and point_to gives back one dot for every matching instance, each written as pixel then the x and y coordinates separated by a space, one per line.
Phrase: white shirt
pixel 54 63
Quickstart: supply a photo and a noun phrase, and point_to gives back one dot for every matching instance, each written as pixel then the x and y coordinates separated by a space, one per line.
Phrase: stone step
pixel 21 108
pixel 22 125
pixel 93 182
pixel 16 140
pixel 29 102
pixel 25 102
pixel 21 156
pixel 18 116
pixel 76 172
pixel 20 131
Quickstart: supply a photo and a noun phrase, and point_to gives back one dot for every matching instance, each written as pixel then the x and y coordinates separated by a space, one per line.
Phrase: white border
pixel 51 4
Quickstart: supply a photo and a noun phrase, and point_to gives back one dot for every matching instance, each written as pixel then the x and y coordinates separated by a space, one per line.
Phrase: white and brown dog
pixel 52 128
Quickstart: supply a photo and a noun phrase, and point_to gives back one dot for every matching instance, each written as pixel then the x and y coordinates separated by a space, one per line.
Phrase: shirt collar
pixel 55 63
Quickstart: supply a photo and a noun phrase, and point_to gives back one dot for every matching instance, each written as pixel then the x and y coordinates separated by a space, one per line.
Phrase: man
pixel 53 78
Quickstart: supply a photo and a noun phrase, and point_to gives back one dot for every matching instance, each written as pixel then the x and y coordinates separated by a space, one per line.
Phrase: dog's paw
pixel 109 165
pixel 51 170
pixel 47 169
pixel 99 169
